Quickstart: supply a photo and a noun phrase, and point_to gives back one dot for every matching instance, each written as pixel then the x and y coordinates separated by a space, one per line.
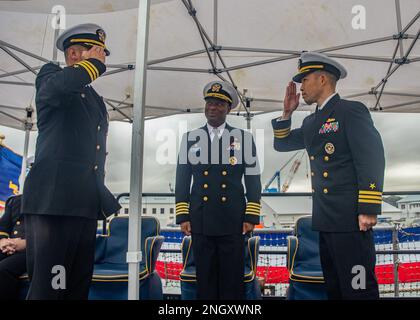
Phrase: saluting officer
pixel 347 162
pixel 215 209
pixel 64 193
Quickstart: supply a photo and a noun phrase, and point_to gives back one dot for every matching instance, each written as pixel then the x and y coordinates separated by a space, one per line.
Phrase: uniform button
pixel 205 186
pixel 325 174
pixel 95 168
pixel 312 158
pixel 223 186
pixel 205 198
pixel 15 232
pixel 99 128
pixel 18 223
pixel 313 190
pixel 223 199
pixel 98 147
pixel 312 173
pixel 224 173
pixel 206 173
pixel 325 190
pixel 326 158
pixel 83 95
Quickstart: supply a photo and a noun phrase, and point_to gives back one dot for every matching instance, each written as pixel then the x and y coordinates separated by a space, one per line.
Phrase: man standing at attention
pixel 347 162
pixel 64 193
pixel 215 210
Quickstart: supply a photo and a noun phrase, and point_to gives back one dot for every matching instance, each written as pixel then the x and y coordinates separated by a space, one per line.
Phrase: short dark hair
pixel 331 77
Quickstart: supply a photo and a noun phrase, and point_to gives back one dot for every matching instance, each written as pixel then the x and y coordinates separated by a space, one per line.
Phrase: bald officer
pixel 64 193
pixel 347 163
pixel 215 209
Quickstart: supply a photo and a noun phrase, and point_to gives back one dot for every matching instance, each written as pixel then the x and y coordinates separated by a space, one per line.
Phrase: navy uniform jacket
pixel 67 177
pixel 347 162
pixel 11 222
pixel 216 203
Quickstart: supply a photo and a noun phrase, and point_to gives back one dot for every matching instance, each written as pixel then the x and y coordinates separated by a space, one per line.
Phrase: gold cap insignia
pixel 101 34
pixel 216 87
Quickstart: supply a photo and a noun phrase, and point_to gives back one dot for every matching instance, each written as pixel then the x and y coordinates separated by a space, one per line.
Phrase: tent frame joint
pixel 400 35
pixel 401 61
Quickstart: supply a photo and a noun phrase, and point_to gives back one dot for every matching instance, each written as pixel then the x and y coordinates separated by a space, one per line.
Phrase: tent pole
pixel 181 69
pixel 56 32
pixel 176 57
pixel 13 73
pixel 30 54
pixel 134 254
pixel 10 116
pixel 399 25
pixel 24 160
pixel 17 83
pixel 215 29
pixel 401 105
pixel 28 127
pixel 27 66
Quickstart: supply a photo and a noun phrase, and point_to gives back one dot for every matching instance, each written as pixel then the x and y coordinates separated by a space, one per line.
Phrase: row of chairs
pixel 110 276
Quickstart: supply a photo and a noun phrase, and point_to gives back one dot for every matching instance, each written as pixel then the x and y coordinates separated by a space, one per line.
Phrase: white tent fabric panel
pixel 288 26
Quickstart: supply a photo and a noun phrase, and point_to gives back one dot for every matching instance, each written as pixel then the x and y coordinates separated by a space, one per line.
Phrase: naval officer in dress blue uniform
pixel 347 162
pixel 64 193
pixel 215 209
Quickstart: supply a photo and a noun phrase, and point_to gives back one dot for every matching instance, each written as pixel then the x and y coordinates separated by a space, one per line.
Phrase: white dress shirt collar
pixel 219 130
pixel 326 101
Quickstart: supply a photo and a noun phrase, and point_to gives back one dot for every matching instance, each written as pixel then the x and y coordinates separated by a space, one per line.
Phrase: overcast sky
pixel 400 134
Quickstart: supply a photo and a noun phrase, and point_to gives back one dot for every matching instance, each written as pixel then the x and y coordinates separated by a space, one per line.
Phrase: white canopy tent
pixel 253 44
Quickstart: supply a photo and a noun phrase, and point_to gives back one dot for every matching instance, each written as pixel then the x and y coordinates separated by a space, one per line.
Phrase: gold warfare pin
pixel 233 161
pixel 329 148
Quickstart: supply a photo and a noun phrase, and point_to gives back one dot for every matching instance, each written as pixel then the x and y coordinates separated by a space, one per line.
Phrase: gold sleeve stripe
pixel 88 65
pixel 370 201
pixel 4 234
pixel 281 136
pixel 254 214
pixel 181 203
pixel 281 130
pixel 93 67
pixel 254 203
pixel 253 206
pixel 375 193
pixel 371 197
pixel 282 133
pixel 179 213
pixel 253 211
pixel 87 70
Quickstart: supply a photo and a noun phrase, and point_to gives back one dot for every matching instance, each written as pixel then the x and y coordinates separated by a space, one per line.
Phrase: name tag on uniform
pixel 329 127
